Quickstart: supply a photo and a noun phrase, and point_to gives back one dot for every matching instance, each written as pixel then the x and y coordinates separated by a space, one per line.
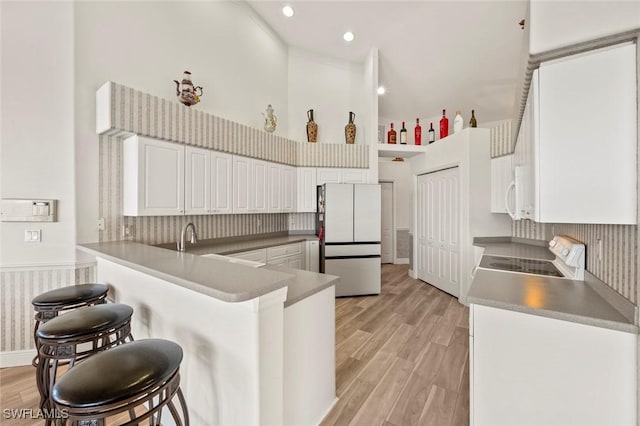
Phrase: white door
pixel 387 222
pixel 221 182
pixel 366 213
pixel 198 181
pixel 439 230
pixel 259 187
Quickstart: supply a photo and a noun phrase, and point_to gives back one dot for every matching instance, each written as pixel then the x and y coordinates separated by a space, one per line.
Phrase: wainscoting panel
pixel 18 287
pixel 616 265
pixel 402 243
pixel 501 140
pixel 132 111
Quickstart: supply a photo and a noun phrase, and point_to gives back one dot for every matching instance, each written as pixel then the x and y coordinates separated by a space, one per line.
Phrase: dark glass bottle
pixel 473 122
pixel 391 135
pixel 432 134
pixel 444 125
pixel 403 135
pixel 417 133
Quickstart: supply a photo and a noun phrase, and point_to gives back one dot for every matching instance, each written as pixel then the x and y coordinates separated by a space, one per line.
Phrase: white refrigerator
pixel 349 217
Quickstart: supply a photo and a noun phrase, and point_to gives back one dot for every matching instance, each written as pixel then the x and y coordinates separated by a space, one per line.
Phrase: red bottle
pixel 417 133
pixel 391 135
pixel 444 125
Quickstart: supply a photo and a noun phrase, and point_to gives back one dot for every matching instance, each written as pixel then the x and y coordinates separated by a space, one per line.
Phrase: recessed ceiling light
pixel 348 36
pixel 287 11
pixel 381 90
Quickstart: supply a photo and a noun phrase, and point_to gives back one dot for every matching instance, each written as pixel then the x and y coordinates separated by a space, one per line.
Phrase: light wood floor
pixel 401 359
pixel 402 356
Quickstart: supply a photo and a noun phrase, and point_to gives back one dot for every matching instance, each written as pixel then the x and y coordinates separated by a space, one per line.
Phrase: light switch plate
pixel 33 235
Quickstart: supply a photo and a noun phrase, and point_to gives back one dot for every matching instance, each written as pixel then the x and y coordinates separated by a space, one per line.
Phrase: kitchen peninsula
pixel 247 351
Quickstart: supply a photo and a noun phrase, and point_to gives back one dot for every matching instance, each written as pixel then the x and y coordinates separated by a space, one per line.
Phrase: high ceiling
pixel 433 54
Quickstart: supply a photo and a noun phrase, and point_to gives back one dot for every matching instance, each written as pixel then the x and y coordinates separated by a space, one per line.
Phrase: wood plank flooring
pixel 401 359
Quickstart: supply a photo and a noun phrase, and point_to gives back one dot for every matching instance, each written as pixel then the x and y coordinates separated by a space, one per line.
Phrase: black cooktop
pixel 524 266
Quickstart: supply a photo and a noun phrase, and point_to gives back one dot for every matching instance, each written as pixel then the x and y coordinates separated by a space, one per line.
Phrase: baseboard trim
pixel 16 358
pixel 401 261
pixel 413 274
pixel 335 401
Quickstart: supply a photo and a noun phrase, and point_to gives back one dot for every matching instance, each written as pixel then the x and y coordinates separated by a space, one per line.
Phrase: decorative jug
pixel 270 120
pixel 187 93
pixel 312 128
pixel 350 129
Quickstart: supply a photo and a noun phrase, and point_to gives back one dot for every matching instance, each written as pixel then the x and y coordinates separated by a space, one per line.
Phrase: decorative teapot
pixel 270 119
pixel 186 92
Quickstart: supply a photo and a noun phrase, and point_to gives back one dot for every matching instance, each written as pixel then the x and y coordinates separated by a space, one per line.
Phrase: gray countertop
pixel 222 280
pixel 570 300
pixel 237 245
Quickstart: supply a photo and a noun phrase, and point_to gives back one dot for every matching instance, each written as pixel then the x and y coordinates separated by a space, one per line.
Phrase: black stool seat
pixel 70 295
pixel 83 321
pixel 118 374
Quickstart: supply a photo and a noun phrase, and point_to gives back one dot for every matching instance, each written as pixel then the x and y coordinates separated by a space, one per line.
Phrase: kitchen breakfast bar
pixel 258 342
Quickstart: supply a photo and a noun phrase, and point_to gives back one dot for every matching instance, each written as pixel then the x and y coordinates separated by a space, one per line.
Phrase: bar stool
pixel 48 305
pixel 142 374
pixel 75 336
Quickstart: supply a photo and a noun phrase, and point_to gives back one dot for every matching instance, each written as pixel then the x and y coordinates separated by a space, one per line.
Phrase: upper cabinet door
pixel 275 188
pixel 242 182
pixel 153 177
pixel 326 175
pixel 288 189
pixel 198 181
pixel 221 183
pixel 259 188
pixel 354 175
pixel 306 184
pixel 587 138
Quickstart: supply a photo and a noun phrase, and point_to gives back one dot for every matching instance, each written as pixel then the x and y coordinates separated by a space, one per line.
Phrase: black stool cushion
pixel 118 374
pixel 69 295
pixel 83 321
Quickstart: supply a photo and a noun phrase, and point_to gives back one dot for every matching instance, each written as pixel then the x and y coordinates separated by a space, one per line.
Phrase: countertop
pixel 558 298
pixel 236 245
pixel 222 280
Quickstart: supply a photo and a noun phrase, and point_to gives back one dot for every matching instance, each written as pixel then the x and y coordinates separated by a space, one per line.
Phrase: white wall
pixel 240 62
pixel 331 88
pixel 556 24
pixel 400 174
pixel 36 139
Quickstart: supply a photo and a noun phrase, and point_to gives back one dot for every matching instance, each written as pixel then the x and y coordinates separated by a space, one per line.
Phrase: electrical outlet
pixel 599 249
pixel 33 235
pixel 127 231
pixel 101 225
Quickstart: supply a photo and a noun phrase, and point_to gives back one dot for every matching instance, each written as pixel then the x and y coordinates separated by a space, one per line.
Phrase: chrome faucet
pixel 183 234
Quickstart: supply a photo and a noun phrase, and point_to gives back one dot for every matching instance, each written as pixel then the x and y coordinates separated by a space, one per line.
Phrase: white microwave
pixel 514 195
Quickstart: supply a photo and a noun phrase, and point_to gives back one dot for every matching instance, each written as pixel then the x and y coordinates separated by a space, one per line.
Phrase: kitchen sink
pixel 234 260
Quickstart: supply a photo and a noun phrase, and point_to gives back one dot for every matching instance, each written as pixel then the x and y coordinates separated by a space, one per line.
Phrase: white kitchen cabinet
pixel 221 182
pixel 501 178
pixel 288 189
pixel 313 256
pixel 242 183
pixel 577 162
pixel 341 175
pixel 259 188
pixel 290 255
pixel 275 187
pixel 153 177
pixel 259 255
pixel 529 370
pixel 197 197
pixel 306 185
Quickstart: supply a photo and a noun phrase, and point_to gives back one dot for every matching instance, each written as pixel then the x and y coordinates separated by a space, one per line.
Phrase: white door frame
pixel 393 217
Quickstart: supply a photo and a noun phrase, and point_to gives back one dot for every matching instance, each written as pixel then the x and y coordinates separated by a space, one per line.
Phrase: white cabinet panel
pixel 259 189
pixel 354 175
pixel 313 256
pixel 221 182
pixel 501 178
pixel 326 175
pixel 259 255
pixel 275 188
pixel 306 184
pixel 529 370
pixel 197 181
pixel 153 177
pixel 288 189
pixel 341 175
pixel 242 182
